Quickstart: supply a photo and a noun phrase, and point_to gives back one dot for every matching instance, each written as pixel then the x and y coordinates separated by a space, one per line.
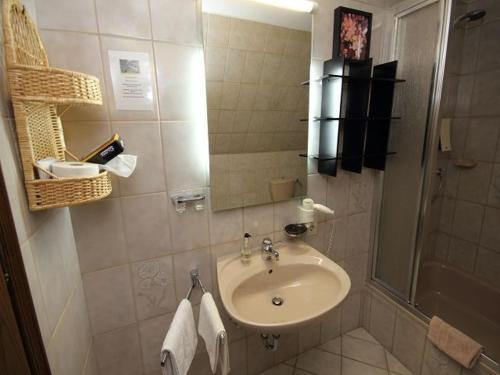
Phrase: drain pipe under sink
pixel 270 341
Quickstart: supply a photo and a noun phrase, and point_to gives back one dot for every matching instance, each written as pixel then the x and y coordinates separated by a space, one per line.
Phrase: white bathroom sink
pixel 304 284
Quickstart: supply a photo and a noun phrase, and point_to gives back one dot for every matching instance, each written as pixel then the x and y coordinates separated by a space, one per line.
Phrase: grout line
pixel 62 315
pixel 87 356
pixel 386 361
pixel 422 359
pixel 120 36
pixel 396 314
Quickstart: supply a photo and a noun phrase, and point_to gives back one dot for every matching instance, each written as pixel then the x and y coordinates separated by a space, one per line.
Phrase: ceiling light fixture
pixel 305 6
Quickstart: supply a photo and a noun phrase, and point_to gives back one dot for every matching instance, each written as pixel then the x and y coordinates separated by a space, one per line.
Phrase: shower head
pixel 472 15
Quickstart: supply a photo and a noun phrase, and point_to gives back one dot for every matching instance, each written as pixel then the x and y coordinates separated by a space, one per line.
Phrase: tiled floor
pixel 355 353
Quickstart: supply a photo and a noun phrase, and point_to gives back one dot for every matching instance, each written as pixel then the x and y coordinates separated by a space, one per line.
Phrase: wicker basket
pixel 36 89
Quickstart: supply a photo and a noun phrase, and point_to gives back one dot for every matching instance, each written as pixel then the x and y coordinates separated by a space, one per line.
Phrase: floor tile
pixel 351 367
pixel 364 351
pixel 291 361
pixel 332 346
pixel 279 370
pixel 301 372
pixel 354 353
pixel 319 362
pixel 361 333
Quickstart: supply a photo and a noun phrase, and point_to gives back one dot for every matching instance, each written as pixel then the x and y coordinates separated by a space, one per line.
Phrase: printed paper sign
pixel 131 78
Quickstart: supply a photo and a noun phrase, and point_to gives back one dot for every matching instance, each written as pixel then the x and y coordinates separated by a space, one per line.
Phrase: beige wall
pixel 134 250
pixel 467 233
pixel 50 258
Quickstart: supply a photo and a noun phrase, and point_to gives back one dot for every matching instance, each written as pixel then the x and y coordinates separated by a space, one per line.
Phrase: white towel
pixel 181 341
pixel 210 327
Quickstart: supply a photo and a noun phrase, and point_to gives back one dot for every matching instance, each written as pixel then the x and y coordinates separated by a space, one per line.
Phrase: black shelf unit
pixel 377 134
pixel 362 104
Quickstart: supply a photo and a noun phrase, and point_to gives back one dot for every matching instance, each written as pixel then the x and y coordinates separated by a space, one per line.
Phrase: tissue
pixel 122 165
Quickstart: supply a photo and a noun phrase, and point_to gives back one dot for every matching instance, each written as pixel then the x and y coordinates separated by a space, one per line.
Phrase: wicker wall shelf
pixel 51 85
pixel 36 89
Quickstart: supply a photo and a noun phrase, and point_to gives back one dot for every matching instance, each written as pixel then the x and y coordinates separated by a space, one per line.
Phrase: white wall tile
pixel 358 234
pixel 54 282
pixel 337 197
pixel 66 15
pixel 226 226
pixel 177 21
pixel 36 292
pixel 317 188
pixel 351 312
pixel 119 352
pixel 285 213
pixel 258 219
pixel 144 140
pixel 185 153
pixel 130 18
pixel 147 231
pixel 360 191
pixel 189 229
pixel 409 352
pixel 181 82
pixel 109 299
pixel 382 321
pixel 99 235
pixel 91 367
pixel 69 345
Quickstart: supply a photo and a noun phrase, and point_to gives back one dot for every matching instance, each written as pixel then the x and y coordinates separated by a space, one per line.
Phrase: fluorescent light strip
pixel 305 6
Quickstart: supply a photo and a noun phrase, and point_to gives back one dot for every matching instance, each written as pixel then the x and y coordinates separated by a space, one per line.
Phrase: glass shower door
pixel 417 32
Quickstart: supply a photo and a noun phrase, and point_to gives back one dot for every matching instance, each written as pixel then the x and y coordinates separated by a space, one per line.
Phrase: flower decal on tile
pixel 154 287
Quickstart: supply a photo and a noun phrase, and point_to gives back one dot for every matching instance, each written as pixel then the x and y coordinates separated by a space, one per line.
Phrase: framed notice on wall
pixel 131 79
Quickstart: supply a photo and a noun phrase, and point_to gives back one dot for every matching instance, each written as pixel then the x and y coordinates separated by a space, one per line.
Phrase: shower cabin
pixel 437 237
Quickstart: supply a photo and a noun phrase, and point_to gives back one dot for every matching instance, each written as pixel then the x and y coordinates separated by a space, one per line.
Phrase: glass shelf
pixel 340 157
pixel 349 78
pixel 351 118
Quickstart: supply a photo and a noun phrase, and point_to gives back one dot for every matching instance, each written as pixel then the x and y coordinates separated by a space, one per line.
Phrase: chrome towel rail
pixel 195 280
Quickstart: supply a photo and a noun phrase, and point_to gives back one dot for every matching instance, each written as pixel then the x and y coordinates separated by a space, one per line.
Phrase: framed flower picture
pixel 352 33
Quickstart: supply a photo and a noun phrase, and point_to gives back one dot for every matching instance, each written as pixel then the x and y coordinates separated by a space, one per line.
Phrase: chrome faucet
pixel 268 252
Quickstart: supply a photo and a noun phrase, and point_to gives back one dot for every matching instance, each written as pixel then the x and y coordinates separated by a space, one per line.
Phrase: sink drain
pixel 277 301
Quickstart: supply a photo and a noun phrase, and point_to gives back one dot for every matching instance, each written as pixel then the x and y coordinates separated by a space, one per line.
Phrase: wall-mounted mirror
pixel 256 57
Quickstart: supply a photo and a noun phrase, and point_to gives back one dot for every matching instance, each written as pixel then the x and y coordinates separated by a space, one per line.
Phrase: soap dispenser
pixel 246 252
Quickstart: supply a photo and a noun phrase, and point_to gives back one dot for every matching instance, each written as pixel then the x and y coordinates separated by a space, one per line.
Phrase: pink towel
pixel 456 344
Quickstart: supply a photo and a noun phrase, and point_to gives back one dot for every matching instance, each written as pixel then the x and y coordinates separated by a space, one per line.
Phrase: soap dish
pixel 295 230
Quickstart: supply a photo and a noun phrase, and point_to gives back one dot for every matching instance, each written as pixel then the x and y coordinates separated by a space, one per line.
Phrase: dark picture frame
pixel 352 31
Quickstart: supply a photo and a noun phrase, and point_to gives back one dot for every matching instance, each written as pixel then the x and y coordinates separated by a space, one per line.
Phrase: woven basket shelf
pixel 36 89
pixel 55 86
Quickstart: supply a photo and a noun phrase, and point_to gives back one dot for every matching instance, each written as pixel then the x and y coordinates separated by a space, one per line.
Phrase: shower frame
pixel 429 156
